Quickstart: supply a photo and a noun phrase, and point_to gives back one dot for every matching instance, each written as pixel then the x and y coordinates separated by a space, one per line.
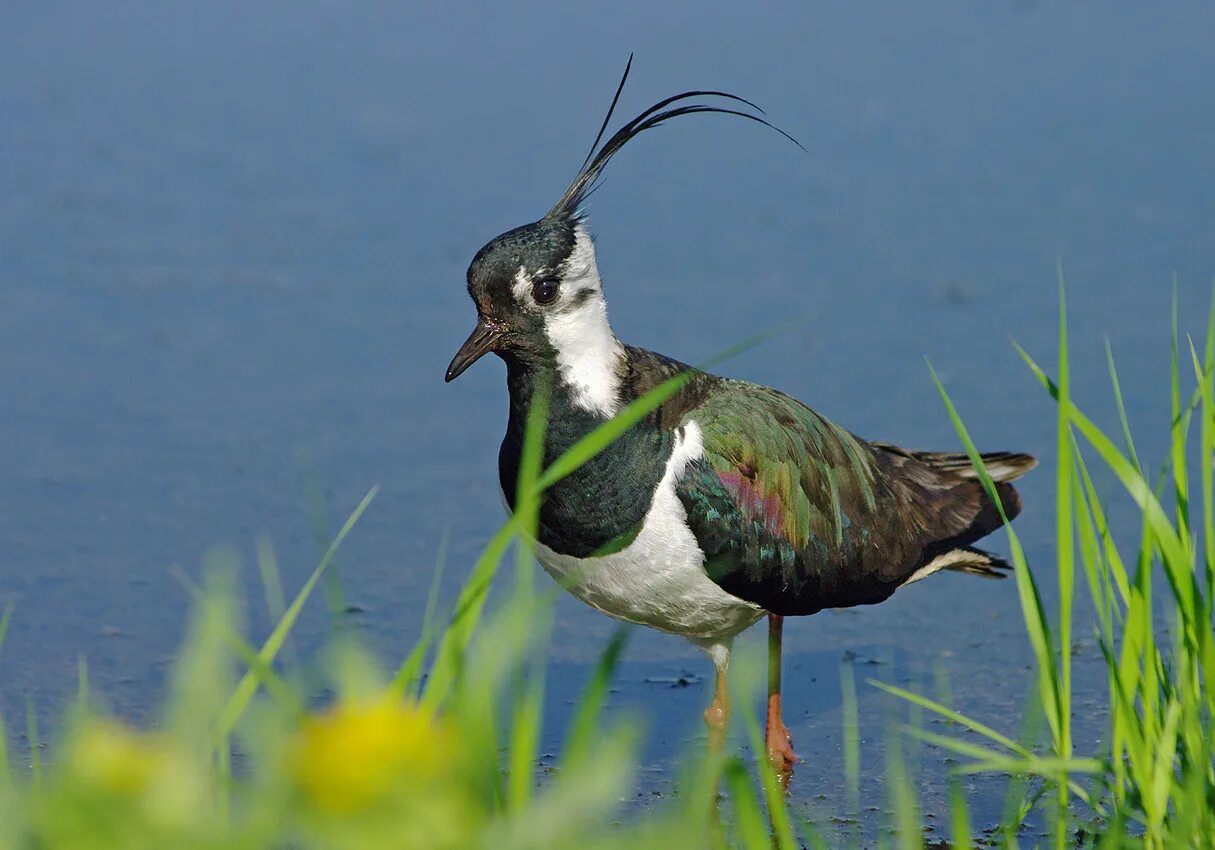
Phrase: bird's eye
pixel 544 291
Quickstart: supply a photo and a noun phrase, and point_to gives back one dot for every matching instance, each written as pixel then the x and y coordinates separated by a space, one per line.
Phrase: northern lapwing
pixel 729 502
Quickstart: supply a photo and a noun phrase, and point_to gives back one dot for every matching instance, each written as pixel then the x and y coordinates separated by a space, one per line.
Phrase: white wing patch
pixel 946 560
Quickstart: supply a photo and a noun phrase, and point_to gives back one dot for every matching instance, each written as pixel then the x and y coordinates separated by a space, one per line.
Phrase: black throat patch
pixel 599 507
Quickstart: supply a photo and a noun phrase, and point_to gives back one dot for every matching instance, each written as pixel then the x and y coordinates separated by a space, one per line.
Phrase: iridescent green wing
pixel 793 512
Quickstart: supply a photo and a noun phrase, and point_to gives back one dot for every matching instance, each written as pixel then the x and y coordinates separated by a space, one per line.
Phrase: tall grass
pixel 1154 787
pixel 440 749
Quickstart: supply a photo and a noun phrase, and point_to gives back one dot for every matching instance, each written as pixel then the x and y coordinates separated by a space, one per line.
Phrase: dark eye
pixel 544 291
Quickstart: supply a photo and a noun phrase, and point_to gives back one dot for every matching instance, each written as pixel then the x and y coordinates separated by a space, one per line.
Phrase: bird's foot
pixel 780 756
pixel 780 747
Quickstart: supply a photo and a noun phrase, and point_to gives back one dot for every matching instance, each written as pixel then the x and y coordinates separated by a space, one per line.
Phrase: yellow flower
pixel 115 758
pixel 360 751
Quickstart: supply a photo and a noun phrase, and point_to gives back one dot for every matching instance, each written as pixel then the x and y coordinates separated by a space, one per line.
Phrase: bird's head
pixel 537 291
pixel 536 287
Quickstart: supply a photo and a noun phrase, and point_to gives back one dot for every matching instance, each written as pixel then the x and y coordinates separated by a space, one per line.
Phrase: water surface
pixel 233 240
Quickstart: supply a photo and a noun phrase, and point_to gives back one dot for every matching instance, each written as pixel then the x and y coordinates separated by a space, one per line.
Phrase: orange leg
pixel 780 747
pixel 717 715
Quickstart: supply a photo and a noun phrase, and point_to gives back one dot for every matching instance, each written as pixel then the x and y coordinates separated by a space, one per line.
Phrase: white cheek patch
pixel 588 353
pixel 522 287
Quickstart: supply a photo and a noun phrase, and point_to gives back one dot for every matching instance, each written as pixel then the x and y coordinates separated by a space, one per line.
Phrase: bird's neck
pixel 569 418
pixel 588 357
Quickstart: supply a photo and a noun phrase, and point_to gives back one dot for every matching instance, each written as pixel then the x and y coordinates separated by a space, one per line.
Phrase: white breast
pixel 658 580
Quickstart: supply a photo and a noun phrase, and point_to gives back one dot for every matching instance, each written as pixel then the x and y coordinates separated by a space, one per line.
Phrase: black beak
pixel 483 338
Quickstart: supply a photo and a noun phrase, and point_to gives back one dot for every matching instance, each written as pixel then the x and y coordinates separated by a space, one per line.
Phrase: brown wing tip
pixel 1001 466
pixel 1008 466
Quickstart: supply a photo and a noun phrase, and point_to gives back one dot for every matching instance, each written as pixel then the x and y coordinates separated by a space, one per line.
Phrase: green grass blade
pixel 525 741
pixel 1027 589
pixel 1204 377
pixel 6 766
pixel 852 750
pixel 436 580
pixel 247 687
pixel 749 824
pixel 1092 559
pixel 1201 375
pixel 322 533
pixel 1173 550
pixel 950 714
pixel 449 657
pixel 906 812
pixel 590 707
pixel 272 593
pixel 528 496
pixel 1181 427
pixel 957 745
pixel 959 817
pixel 1055 769
pixel 5 618
pixel 34 742
pixel 1123 420
pixel 1162 779
pixel 1111 559
pixel 1065 559
pixel 223 770
pixel 774 795
pixel 272 585
pixel 409 673
pixel 261 669
pixel 1208 454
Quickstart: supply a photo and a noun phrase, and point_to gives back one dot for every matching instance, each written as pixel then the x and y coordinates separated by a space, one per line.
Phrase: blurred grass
pixel 440 750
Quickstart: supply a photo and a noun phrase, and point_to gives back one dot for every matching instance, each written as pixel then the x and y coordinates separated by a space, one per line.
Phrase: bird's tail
pixel 1001 466
pixel 971 511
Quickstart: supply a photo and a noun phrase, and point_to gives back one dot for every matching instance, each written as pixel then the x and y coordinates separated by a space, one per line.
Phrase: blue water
pixel 233 240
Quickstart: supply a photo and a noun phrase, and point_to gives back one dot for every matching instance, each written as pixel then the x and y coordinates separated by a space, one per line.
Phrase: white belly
pixel 658 580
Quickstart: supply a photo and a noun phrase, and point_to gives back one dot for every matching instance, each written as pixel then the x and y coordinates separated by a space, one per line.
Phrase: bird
pixel 728 503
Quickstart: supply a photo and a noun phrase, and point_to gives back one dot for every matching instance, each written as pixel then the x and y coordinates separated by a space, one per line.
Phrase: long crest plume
pixel 588 177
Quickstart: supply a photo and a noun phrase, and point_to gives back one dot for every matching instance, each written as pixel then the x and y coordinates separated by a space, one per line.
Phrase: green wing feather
pixel 797 514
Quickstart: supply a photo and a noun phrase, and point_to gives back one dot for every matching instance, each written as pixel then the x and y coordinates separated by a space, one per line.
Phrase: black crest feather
pixel 587 179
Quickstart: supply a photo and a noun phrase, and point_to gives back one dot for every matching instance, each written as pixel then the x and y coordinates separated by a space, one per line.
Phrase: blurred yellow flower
pixel 164 782
pixel 357 753
pixel 116 758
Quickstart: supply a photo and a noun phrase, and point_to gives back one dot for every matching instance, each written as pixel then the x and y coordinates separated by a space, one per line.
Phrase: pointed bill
pixel 484 338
